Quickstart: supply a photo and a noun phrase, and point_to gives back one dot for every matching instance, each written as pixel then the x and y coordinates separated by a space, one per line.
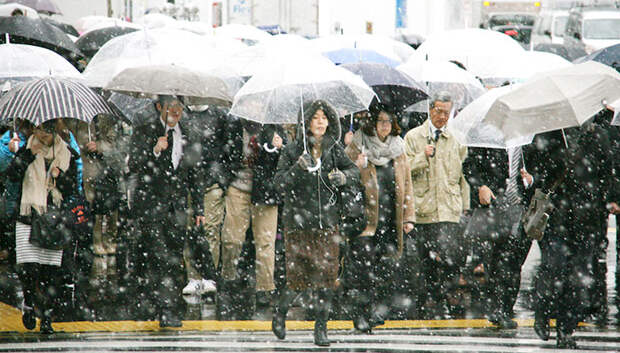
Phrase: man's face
pixel 440 113
pixel 171 112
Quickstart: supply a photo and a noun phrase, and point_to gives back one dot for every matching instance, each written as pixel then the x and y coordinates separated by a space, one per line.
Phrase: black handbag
pixel 497 223
pixel 107 194
pixel 51 230
pixel 352 202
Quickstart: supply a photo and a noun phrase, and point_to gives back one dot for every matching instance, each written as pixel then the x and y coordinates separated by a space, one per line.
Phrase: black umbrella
pixel 90 42
pixel 65 27
pixel 609 56
pixel 42 6
pixel 52 98
pixel 393 88
pixel 24 30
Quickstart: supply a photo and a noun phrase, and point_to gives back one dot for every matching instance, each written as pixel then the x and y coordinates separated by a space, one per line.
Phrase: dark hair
pixel 17 12
pixel 312 108
pixel 369 128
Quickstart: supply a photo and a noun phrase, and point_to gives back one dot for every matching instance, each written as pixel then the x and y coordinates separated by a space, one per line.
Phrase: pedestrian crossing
pixel 386 340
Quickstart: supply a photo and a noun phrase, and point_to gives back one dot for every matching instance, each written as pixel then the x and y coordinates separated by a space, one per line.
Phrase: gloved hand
pixel 337 178
pixel 305 161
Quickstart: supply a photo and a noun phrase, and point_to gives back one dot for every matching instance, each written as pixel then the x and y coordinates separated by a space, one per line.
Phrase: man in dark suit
pixel 494 185
pixel 165 159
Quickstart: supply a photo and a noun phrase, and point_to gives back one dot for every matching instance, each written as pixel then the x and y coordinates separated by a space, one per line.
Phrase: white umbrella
pixel 171 80
pixel 443 75
pixel 246 33
pixel 385 46
pixel 21 62
pixel 520 67
pixel 475 48
pixel 616 107
pixel 275 95
pixel 551 101
pixel 89 23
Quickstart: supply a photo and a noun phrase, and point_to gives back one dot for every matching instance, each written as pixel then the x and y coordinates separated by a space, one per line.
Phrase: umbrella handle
pixel 316 167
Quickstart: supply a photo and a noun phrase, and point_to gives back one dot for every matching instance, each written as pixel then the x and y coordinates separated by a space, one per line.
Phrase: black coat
pixel 586 167
pixel 264 169
pixel 161 188
pixel 310 201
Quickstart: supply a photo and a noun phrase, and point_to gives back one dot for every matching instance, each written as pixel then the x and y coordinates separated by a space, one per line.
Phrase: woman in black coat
pixel 309 181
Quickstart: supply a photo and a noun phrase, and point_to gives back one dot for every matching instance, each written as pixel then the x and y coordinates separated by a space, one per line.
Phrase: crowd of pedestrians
pixel 196 200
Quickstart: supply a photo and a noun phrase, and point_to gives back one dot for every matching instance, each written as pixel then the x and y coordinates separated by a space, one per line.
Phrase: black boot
pixel 361 254
pixel 46 324
pixel 323 307
pixel 541 325
pixel 565 340
pixel 280 309
pixel 28 317
pixel 360 311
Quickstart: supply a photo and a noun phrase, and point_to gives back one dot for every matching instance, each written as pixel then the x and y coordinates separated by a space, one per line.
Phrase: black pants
pixel 160 253
pixel 40 285
pixel 560 289
pixel 503 266
pixel 442 256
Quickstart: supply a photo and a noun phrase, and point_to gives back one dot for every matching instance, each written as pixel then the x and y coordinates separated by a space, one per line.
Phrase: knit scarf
pixel 379 152
pixel 38 182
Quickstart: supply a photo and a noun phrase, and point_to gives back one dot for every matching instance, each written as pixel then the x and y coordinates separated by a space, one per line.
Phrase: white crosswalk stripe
pixel 521 340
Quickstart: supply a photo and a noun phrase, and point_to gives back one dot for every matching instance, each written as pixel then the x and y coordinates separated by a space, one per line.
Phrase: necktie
pixel 437 134
pixel 253 151
pixel 512 188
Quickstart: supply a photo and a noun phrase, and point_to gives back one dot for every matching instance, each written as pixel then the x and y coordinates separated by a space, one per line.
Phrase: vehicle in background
pixel 592 28
pixel 520 33
pixel 549 28
pixel 496 19
pixel 483 11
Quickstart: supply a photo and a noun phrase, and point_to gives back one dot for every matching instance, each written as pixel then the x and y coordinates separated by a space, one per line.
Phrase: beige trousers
pixel 239 212
pixel 214 215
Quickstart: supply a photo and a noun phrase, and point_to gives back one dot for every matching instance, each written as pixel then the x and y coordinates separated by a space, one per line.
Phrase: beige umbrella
pixel 171 80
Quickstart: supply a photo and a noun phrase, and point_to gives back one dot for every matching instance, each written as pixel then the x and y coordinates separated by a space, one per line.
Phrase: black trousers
pixel 559 284
pixel 40 284
pixel 503 266
pixel 440 275
pixel 160 271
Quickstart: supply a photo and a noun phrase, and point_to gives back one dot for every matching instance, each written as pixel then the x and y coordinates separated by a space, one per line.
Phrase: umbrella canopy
pixel 520 67
pixel 171 80
pixel 385 46
pixel 90 42
pixel 65 27
pixel 150 47
pixel 444 76
pixel 277 93
pixel 24 30
pixel 249 34
pixel 43 6
pixel 20 61
pixel 393 88
pixel 554 100
pixel 609 56
pixel 8 8
pixel 89 23
pixel 475 48
pixel 52 98
pixel 353 55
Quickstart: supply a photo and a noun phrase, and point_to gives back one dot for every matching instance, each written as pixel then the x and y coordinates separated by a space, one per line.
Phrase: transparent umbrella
pixel 443 76
pixel 520 67
pixel 551 101
pixel 21 62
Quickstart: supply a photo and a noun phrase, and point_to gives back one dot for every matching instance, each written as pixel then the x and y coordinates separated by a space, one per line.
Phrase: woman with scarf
pixel 47 170
pixel 379 153
pixel 308 179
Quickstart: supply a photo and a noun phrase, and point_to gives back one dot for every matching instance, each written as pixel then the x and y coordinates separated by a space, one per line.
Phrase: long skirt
pixel 28 253
pixel 312 259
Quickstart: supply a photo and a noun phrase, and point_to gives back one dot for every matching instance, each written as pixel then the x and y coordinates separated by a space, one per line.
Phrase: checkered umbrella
pixel 52 98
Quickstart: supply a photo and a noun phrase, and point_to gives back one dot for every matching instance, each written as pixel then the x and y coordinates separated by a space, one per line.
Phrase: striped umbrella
pixel 52 98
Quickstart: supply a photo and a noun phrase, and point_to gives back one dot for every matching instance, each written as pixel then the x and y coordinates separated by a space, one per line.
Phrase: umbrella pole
pixel 7 38
pixel 564 137
pixel 89 137
pixel 351 124
pixel 303 120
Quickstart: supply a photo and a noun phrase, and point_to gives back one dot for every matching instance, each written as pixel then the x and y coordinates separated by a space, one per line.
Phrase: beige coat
pixel 440 189
pixel 405 208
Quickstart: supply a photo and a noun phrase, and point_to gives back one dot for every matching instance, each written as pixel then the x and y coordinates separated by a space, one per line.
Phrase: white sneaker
pixel 207 286
pixel 192 287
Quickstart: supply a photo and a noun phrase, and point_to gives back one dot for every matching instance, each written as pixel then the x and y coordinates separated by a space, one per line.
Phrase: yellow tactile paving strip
pixel 10 321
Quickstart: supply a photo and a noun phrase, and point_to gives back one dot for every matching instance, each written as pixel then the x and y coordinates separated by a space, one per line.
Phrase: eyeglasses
pixel 441 111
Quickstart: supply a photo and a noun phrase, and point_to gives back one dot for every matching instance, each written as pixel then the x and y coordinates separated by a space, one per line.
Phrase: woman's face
pixel 384 125
pixel 319 123
pixel 45 137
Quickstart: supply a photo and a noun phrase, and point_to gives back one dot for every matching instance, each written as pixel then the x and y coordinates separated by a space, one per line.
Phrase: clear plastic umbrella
pixel 551 101
pixel 21 62
pixel 443 76
pixel 152 47
pixel 275 95
pixel 520 67
pixel 8 8
pixel 246 33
